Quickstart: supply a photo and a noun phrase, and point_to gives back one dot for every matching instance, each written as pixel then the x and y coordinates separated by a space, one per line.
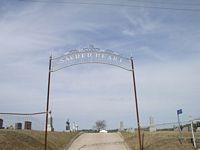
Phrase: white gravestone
pixel 50 122
pixel 152 127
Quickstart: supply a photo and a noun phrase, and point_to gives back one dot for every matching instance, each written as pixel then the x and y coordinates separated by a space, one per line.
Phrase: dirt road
pixel 99 141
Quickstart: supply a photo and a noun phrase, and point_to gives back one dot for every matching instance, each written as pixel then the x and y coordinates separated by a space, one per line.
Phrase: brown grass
pixel 34 140
pixel 163 140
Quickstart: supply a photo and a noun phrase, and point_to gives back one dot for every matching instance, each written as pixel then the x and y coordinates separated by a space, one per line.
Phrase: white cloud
pixel 165 87
pixel 140 23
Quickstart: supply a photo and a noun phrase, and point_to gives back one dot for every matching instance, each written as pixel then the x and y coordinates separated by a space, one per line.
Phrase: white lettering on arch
pixel 90 55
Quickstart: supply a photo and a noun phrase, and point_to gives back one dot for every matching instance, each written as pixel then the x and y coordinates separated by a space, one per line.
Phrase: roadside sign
pixel 179 111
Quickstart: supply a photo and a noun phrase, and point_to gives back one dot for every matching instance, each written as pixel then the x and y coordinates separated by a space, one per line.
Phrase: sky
pixel 162 37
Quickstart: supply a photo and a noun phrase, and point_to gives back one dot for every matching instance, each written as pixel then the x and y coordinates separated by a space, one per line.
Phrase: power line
pixel 114 4
pixel 174 3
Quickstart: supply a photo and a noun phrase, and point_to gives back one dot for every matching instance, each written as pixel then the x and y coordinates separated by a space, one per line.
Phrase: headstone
pixel 152 127
pixel 74 127
pixel 1 123
pixel 198 129
pixel 186 129
pixel 27 125
pixel 176 128
pixel 18 126
pixel 50 123
pixel 198 126
pixel 10 127
pixel 121 126
pixel 68 125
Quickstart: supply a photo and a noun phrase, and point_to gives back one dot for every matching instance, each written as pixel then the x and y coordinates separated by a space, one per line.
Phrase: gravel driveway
pixel 99 141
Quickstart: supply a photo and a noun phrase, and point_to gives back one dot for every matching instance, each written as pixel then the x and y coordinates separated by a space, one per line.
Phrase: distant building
pixel 18 126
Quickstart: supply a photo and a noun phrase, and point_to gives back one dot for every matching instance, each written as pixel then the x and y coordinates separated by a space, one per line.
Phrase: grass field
pixel 34 140
pixel 163 140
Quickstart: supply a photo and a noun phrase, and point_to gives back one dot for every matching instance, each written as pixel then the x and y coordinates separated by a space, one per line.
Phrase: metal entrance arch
pixel 91 55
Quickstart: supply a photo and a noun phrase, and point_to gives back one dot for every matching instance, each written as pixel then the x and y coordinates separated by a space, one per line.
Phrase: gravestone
pixel 198 126
pixel 1 123
pixel 121 126
pixel 152 127
pixel 18 126
pixel 27 125
pixel 198 129
pixel 68 125
pixel 74 127
pixel 50 122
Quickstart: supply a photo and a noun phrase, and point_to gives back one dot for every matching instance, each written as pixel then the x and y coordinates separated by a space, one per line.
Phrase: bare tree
pixel 100 124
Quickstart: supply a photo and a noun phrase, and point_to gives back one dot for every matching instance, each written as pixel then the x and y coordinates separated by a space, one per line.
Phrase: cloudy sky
pixel 163 38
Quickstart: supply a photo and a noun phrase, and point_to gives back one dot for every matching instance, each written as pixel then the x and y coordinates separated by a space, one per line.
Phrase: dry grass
pixel 163 140
pixel 34 140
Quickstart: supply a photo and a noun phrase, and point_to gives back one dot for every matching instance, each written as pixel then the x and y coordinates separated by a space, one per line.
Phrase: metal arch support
pixel 91 55
pixel 136 105
pixel 47 105
pixel 94 62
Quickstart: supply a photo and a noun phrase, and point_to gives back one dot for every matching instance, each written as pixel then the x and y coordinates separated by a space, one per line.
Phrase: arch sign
pixel 91 55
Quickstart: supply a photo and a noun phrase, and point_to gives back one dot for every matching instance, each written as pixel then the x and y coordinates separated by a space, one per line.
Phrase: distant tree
pixel 100 124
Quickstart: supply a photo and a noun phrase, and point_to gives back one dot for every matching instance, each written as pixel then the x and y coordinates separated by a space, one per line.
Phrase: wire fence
pixel 166 136
pixel 183 126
